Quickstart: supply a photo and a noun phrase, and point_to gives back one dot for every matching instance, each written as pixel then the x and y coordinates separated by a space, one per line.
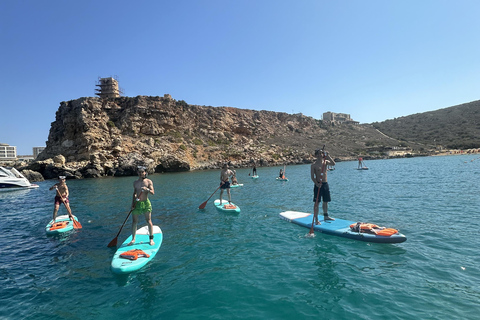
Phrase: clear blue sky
pixel 375 60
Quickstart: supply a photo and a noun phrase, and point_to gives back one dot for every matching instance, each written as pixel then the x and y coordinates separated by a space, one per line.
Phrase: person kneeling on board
pixel 321 189
pixel 141 204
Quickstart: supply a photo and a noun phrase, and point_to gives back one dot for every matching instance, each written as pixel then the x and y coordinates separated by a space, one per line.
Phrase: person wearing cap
pixel 321 188
pixel 141 204
pixel 225 174
pixel 62 188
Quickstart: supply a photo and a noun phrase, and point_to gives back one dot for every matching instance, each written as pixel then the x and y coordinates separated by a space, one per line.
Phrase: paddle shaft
pixel 202 206
pixel 113 243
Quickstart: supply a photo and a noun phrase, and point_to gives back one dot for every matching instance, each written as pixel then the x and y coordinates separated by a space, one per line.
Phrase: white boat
pixel 11 179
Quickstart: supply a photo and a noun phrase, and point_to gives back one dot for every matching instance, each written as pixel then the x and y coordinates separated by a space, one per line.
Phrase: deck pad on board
pixel 142 242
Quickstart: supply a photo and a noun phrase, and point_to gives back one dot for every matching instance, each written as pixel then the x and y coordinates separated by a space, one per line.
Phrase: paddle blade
pixel 76 224
pixel 113 243
pixel 202 206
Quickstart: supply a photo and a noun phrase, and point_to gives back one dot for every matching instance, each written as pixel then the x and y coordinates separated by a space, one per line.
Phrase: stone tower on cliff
pixel 107 88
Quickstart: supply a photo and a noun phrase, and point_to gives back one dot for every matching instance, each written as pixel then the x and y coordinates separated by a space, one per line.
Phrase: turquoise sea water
pixel 253 265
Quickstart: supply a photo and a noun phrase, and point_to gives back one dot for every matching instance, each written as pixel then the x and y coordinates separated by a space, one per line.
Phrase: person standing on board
pixel 62 188
pixel 318 174
pixel 141 204
pixel 360 164
pixel 254 170
pixel 225 174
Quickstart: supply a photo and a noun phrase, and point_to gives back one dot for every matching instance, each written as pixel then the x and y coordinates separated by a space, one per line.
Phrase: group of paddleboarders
pixel 142 187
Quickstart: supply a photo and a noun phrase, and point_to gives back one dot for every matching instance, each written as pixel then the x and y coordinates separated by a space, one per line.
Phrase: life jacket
pixel 58 225
pixel 134 254
pixel 230 206
pixel 373 229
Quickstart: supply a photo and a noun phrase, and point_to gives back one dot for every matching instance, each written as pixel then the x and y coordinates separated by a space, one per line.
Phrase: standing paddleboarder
pixel 61 197
pixel 141 204
pixel 225 174
pixel 318 174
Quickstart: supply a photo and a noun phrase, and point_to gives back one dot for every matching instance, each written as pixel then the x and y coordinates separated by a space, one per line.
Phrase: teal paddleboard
pixel 282 179
pixel 338 227
pixel 62 224
pixel 254 177
pixel 142 241
pixel 224 206
pixel 236 185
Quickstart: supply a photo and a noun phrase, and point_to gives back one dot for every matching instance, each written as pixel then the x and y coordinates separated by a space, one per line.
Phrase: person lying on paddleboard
pixel 225 175
pixel 141 204
pixel 62 189
pixel 318 174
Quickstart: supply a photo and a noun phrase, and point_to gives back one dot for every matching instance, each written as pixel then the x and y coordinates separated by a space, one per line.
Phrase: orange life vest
pixel 134 254
pixel 58 225
pixel 372 228
pixel 230 206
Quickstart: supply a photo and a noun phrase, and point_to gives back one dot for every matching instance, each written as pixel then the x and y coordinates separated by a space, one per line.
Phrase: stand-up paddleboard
pixel 226 207
pixel 338 227
pixel 281 179
pixel 254 177
pixel 363 168
pixel 236 185
pixel 142 242
pixel 62 224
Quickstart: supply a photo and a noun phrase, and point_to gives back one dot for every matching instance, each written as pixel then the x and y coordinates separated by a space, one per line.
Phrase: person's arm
pixel 330 160
pixel 66 193
pixel 312 175
pixel 149 187
pixel 53 187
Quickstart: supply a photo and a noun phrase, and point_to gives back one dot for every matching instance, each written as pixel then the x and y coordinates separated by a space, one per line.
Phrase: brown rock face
pixel 91 137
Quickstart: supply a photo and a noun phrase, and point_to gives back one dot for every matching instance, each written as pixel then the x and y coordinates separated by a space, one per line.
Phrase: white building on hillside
pixel 7 152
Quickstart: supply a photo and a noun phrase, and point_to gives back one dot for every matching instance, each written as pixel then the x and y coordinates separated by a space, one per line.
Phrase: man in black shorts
pixel 321 189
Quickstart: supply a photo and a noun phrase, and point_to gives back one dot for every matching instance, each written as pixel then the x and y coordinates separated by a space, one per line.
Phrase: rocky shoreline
pixel 93 137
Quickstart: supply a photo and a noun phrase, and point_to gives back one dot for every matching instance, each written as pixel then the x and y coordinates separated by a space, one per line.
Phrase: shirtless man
pixel 62 188
pixel 225 183
pixel 140 203
pixel 318 175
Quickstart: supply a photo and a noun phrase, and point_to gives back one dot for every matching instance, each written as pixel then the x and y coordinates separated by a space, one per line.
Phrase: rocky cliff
pixel 91 137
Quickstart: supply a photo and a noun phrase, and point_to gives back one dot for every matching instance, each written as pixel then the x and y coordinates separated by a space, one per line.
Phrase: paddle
pixel 76 224
pixel 202 206
pixel 113 243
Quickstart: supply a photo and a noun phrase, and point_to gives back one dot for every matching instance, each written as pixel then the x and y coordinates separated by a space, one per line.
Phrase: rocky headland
pixel 93 137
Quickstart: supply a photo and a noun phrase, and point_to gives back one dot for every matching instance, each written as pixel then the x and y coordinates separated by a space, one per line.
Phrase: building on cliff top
pixel 338 118
pixel 108 88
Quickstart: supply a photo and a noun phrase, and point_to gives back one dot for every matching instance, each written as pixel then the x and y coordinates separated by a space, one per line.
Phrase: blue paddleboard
pixel 254 177
pixel 59 226
pixel 236 185
pixel 338 227
pixel 224 206
pixel 281 179
pixel 142 241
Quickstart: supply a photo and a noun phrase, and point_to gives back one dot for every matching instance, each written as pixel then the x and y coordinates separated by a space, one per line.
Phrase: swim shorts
pixel 324 193
pixel 142 207
pixel 58 200
pixel 225 185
